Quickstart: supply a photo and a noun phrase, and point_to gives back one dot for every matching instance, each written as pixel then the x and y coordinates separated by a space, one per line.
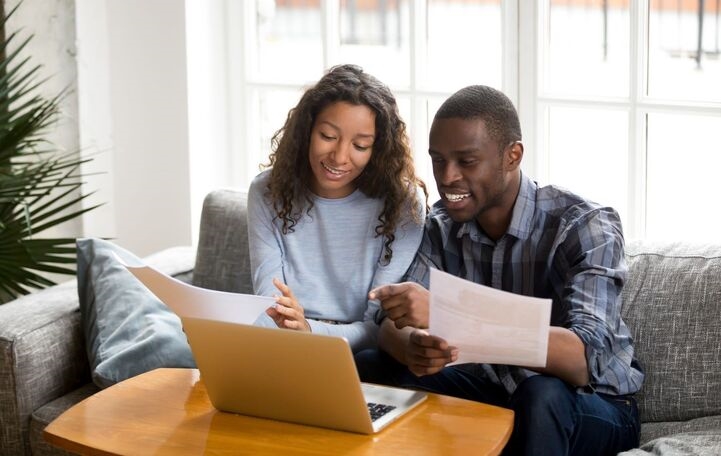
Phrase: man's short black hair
pixel 488 104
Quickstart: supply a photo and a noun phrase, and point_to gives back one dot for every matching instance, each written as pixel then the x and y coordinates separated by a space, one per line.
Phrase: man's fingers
pixel 387 291
pixel 423 339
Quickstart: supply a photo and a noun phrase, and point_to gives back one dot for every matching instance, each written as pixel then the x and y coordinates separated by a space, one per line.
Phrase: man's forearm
pixel 566 357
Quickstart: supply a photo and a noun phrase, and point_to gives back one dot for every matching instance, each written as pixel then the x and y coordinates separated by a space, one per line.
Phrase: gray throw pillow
pixel 127 329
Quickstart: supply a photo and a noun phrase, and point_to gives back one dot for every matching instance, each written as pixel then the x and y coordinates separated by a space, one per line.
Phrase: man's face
pixel 468 166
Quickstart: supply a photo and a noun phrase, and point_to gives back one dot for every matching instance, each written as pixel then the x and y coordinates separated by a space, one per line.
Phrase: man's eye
pixel 466 162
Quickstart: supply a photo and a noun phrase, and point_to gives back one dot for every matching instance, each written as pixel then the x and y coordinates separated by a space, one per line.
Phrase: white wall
pixel 52 26
pixel 133 111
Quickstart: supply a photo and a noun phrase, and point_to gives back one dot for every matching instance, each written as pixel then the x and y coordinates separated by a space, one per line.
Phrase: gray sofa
pixel 672 304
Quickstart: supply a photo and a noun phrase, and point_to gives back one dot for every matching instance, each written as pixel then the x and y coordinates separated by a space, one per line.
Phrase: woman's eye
pixel 361 148
pixel 326 137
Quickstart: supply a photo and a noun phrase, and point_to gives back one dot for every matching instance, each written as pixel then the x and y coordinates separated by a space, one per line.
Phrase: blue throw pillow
pixel 127 329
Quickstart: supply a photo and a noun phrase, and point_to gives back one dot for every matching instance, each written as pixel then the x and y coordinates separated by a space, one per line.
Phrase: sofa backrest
pixel 672 305
pixel 222 262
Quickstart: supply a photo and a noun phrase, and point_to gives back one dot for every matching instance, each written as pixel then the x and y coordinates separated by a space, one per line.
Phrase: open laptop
pixel 290 376
pixel 269 372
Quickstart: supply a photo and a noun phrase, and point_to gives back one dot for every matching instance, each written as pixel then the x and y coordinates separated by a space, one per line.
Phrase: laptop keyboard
pixel 378 410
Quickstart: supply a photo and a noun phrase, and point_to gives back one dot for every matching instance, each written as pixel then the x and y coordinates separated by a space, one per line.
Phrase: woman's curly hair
pixel 389 174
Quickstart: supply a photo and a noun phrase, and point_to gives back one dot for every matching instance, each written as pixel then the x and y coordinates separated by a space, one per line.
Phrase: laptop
pixel 291 376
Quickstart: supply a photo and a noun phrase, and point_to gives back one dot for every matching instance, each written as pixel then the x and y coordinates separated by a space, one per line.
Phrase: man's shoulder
pixel 570 211
pixel 558 200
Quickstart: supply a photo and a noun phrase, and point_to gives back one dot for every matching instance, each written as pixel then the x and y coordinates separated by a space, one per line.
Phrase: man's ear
pixel 514 154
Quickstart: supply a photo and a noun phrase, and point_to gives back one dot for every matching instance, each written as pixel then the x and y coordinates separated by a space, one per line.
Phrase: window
pixel 408 45
pixel 628 110
pixel 619 100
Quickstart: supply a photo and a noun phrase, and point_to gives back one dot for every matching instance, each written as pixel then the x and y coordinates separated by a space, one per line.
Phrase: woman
pixel 338 212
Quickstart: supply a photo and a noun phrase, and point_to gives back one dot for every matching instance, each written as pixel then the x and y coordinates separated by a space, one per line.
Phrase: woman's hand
pixel 287 313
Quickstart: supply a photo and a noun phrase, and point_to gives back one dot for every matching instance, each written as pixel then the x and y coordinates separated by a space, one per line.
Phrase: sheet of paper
pixel 488 325
pixel 190 301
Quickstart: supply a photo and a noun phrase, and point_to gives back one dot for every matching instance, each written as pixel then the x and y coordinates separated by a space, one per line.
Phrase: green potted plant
pixel 39 185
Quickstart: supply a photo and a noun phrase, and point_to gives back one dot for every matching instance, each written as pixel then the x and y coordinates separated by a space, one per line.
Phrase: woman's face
pixel 341 145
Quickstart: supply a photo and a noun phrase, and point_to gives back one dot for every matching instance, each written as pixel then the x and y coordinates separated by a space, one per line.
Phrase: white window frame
pixel 522 56
pixel 243 79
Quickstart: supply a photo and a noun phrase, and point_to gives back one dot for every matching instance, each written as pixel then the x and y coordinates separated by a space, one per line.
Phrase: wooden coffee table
pixel 167 411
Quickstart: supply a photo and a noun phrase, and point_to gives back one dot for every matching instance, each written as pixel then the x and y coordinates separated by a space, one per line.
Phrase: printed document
pixel 190 301
pixel 488 325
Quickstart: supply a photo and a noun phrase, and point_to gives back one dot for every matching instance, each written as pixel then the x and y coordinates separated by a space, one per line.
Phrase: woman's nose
pixel 341 153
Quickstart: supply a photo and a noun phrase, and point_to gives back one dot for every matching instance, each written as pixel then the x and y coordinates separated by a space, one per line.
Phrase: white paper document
pixel 190 301
pixel 488 325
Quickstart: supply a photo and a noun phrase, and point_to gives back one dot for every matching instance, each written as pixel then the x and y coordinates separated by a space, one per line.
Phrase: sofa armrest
pixel 42 349
pixel 42 357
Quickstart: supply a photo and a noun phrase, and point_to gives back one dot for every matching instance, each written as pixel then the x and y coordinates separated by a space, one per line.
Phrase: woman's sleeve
pixel 266 253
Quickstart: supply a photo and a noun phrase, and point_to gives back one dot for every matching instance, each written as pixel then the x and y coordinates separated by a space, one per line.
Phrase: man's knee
pixel 374 366
pixel 541 393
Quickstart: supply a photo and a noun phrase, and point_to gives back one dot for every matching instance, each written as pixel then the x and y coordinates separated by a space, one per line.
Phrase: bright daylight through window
pixel 620 100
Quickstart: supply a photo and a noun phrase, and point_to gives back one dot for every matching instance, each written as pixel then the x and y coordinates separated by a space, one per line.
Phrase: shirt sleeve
pixel 592 258
pixel 408 257
pixel 266 253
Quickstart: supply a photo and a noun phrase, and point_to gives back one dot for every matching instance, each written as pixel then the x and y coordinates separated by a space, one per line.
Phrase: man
pixel 495 226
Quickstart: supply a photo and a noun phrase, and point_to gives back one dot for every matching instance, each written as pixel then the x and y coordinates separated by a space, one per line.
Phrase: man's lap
pixel 591 421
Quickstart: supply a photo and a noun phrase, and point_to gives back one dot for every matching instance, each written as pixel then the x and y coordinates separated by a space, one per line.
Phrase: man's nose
pixel 448 173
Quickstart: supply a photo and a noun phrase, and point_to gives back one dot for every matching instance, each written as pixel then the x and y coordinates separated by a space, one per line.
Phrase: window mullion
pixel 418 123
pixel 637 120
pixel 529 109
pixel 330 12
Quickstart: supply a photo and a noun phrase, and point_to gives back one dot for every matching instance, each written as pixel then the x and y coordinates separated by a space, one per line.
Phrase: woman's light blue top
pixel 331 260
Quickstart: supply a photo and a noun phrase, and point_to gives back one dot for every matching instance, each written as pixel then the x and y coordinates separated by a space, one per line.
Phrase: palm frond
pixel 40 186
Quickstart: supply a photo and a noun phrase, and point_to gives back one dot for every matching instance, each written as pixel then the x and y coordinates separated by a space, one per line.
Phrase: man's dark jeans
pixel 551 416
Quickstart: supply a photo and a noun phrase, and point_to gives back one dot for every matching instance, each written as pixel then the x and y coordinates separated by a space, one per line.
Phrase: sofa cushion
pixel 672 303
pixel 223 262
pixel 47 413
pixel 127 329
pixel 653 430
pixel 686 444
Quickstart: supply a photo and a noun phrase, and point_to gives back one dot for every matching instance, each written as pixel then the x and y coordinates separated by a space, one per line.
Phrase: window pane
pixel 682 189
pixel 374 34
pixel 289 46
pixel 588 154
pixel 684 49
pixel 587 48
pixel 464 44
pixel 267 112
pixel 424 169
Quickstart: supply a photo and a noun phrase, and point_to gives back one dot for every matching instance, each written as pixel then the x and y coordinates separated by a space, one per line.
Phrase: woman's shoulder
pixel 259 184
pixel 420 202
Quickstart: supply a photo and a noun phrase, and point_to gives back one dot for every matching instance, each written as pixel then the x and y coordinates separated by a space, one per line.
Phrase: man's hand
pixel 426 354
pixel 405 303
pixel 287 313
